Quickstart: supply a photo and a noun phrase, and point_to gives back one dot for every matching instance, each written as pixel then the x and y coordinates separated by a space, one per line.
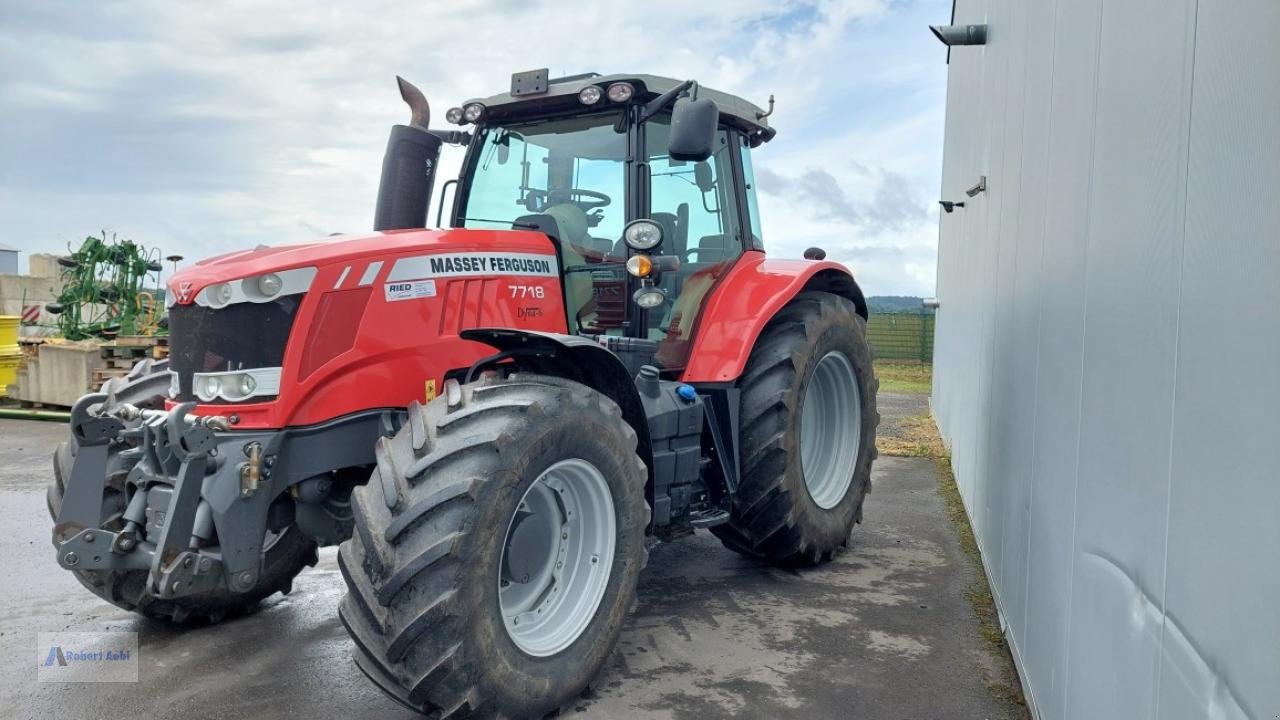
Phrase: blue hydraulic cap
pixel 687 393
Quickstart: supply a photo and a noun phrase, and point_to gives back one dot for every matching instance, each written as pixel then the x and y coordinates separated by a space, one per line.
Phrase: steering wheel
pixel 538 200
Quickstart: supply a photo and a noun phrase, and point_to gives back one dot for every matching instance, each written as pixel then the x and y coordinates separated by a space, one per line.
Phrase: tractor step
pixel 708 517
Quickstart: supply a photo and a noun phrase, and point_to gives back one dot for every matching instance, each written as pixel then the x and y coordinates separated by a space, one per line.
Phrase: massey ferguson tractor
pixel 497 418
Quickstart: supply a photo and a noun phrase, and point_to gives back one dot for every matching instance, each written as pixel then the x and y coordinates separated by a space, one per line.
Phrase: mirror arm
pixel 654 106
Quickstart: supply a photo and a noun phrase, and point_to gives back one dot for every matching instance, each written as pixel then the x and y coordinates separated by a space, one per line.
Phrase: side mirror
pixel 693 129
pixel 702 177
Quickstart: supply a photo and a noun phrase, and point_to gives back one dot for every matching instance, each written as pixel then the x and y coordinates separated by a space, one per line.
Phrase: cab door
pixel 699 205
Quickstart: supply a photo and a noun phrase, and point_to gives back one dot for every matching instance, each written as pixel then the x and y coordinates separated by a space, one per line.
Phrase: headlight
pixel 642 234
pixel 621 92
pixel 473 112
pixel 174 388
pixel 238 386
pixel 270 284
pixel 589 95
pixel 639 265
pixel 207 388
pixel 453 115
pixel 649 297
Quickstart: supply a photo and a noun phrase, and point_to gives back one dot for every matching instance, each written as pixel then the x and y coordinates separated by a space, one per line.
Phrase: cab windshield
pixel 571 169
pixel 569 172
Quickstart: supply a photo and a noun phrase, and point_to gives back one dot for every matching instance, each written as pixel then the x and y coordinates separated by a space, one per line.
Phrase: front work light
pixel 642 234
pixel 473 112
pixel 454 115
pixel 270 284
pixel 589 95
pixel 621 92
pixel 222 294
pixel 649 297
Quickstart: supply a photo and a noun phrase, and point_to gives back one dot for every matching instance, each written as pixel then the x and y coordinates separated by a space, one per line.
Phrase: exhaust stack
pixel 409 167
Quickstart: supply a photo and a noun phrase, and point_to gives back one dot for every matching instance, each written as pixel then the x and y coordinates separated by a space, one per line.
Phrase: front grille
pixel 235 337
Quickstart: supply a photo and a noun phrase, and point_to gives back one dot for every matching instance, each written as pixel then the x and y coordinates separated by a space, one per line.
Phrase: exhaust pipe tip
pixel 419 110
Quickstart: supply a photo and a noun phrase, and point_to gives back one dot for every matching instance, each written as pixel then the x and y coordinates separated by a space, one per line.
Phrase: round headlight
pixel 208 388
pixel 649 297
pixel 642 234
pixel 621 92
pixel 473 112
pixel 220 294
pixel 589 95
pixel 246 385
pixel 639 265
pixel 453 115
pixel 270 284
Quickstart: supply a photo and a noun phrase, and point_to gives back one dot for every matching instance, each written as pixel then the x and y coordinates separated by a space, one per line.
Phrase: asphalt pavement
pixel 884 631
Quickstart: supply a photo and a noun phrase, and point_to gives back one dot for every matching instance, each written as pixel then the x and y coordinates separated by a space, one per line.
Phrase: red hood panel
pixel 189 281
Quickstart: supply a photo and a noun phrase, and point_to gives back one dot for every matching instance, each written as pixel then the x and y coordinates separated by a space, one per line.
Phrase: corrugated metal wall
pixel 1107 364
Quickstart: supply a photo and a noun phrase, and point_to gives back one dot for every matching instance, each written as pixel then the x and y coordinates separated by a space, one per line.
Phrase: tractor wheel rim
pixel 552 578
pixel 830 429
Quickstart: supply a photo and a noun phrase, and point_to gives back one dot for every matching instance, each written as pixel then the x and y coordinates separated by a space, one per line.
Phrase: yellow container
pixel 8 372
pixel 9 334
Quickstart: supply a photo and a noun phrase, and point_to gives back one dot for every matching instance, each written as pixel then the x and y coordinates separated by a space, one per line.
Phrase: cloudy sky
pixel 210 126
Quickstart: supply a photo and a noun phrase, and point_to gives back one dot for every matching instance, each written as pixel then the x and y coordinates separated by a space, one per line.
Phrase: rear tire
pixel 426 561
pixel 776 514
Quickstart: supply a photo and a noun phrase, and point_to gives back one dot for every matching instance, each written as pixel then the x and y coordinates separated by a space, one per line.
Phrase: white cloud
pixel 201 127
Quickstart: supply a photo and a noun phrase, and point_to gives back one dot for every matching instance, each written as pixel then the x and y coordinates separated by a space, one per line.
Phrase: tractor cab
pixel 645 183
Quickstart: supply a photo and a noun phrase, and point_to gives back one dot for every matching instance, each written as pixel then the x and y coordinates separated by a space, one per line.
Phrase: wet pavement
pixel 884 631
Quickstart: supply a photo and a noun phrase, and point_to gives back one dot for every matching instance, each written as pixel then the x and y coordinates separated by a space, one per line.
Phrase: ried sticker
pixel 410 290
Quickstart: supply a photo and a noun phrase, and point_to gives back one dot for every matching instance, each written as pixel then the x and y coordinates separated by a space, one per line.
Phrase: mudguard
pixel 576 358
pixel 746 300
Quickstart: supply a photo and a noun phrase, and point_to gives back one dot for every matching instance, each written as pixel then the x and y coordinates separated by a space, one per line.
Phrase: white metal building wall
pixel 1107 359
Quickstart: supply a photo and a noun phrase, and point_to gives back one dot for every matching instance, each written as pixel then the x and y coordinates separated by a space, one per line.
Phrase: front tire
pixel 808 431
pixel 430 603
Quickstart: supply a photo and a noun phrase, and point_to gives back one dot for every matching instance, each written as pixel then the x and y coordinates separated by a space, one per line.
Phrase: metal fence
pixel 901 336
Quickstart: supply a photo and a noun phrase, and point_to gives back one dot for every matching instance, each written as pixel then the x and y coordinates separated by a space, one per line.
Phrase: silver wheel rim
pixel 556 557
pixel 830 429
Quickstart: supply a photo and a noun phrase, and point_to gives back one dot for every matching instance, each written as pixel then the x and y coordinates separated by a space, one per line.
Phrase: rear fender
pixel 578 359
pixel 746 300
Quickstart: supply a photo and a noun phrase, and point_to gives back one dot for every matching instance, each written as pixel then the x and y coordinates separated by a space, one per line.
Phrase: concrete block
pixel 18 291
pixel 44 265
pixel 60 374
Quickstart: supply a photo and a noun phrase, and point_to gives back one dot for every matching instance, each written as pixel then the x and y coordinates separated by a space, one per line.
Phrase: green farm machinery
pixel 109 287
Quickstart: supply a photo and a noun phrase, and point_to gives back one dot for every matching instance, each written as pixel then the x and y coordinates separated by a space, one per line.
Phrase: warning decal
pixel 409 290
pixel 472 264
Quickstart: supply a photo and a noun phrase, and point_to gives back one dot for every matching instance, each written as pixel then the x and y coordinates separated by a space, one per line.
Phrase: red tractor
pixel 493 418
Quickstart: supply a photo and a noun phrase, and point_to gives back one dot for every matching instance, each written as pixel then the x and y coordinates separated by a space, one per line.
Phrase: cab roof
pixel 562 95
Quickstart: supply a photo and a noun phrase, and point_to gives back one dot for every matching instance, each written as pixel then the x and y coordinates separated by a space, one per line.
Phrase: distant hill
pixel 896 304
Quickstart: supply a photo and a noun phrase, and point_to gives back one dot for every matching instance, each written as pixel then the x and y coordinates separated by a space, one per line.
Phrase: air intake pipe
pixel 409 167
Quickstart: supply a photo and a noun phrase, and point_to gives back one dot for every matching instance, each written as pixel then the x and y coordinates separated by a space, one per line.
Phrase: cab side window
pixel 753 208
pixel 694 202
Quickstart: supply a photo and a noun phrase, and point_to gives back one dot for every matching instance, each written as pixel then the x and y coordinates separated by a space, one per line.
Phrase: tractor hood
pixel 355 253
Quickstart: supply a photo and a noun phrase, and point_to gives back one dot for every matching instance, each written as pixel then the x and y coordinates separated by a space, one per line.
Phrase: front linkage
pixel 213 519
pixel 185 484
